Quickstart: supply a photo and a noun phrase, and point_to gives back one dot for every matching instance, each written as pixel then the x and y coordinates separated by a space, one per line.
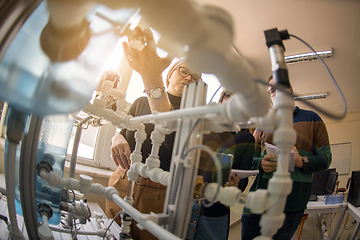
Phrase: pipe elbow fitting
pixel 109 192
pixel 256 201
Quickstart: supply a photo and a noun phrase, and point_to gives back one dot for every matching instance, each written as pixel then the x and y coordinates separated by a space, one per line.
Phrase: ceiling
pixel 323 24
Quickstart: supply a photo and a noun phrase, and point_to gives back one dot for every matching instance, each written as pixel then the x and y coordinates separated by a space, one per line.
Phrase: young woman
pixel 148 196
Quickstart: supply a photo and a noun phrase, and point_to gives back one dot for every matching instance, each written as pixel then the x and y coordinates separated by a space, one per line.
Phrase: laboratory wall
pixel 346 131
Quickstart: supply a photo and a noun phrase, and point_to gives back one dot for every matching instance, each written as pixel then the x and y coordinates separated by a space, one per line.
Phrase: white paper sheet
pixel 244 173
pixel 271 149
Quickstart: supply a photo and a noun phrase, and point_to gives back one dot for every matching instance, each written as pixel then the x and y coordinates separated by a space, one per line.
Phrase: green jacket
pixel 312 141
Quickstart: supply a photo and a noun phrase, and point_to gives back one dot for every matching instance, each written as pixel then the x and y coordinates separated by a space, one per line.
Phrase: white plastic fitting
pixel 134 171
pixel 71 183
pixel 116 93
pixel 125 226
pixel 256 201
pixel 227 195
pixel 152 162
pixel 140 136
pixel 152 217
pixel 117 120
pixel 88 108
pixel 159 176
pixel 109 192
pixel 169 127
pixel 44 231
pixel 142 169
pixel 132 127
pixel 97 215
pixel 120 105
pixel 155 174
pixel 85 183
pixel 280 186
pixel 157 136
pixel 276 223
pixel 98 107
pixel 239 108
pixel 109 115
pixel 97 189
pixel 283 100
pixel 267 123
pixel 100 221
pixel 135 157
pixel 129 200
pixel 104 87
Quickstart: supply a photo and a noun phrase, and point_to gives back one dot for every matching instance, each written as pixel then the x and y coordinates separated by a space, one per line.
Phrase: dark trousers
pixel 250 226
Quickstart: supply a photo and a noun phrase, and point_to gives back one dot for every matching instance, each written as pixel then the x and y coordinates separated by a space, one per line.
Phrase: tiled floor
pixel 311 231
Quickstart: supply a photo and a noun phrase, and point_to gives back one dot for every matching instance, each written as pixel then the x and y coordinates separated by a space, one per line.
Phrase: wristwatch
pixel 155 92
pixel 305 163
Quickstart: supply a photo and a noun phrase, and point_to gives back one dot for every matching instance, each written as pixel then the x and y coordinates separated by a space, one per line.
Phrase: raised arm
pixel 150 66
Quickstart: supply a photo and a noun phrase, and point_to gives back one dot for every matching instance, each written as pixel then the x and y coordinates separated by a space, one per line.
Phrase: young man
pixel 312 154
pixel 213 222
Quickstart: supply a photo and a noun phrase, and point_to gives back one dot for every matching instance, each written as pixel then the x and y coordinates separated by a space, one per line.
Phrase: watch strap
pixel 151 91
pixel 305 161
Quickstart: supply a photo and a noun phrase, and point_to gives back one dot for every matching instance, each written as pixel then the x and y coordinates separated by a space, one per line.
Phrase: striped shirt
pixel 312 141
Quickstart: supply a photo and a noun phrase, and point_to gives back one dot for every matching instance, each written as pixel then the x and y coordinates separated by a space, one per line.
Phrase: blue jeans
pixel 250 226
pixel 207 228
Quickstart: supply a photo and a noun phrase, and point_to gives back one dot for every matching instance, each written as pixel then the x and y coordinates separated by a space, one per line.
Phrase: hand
pixel 266 165
pixel 298 158
pixel 234 181
pixel 146 62
pixel 120 151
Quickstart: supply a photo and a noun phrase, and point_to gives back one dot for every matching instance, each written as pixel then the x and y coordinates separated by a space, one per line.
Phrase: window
pixel 3 109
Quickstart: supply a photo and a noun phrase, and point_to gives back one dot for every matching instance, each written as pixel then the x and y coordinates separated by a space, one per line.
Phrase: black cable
pixel 5 219
pixel 188 137
pixel 64 225
pixel 219 172
pixel 286 91
pixel 75 235
pixel 214 94
pixel 107 229
pixel 192 129
pixel 338 117
pixel 344 226
pixel 329 226
pixel 352 224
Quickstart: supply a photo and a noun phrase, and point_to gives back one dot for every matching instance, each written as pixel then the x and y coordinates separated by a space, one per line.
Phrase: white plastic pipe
pixel 45 232
pixel 136 156
pixel 273 200
pixel 84 185
pixel 151 226
pixel 195 112
pixel 14 231
pixel 99 233
pixel 228 196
